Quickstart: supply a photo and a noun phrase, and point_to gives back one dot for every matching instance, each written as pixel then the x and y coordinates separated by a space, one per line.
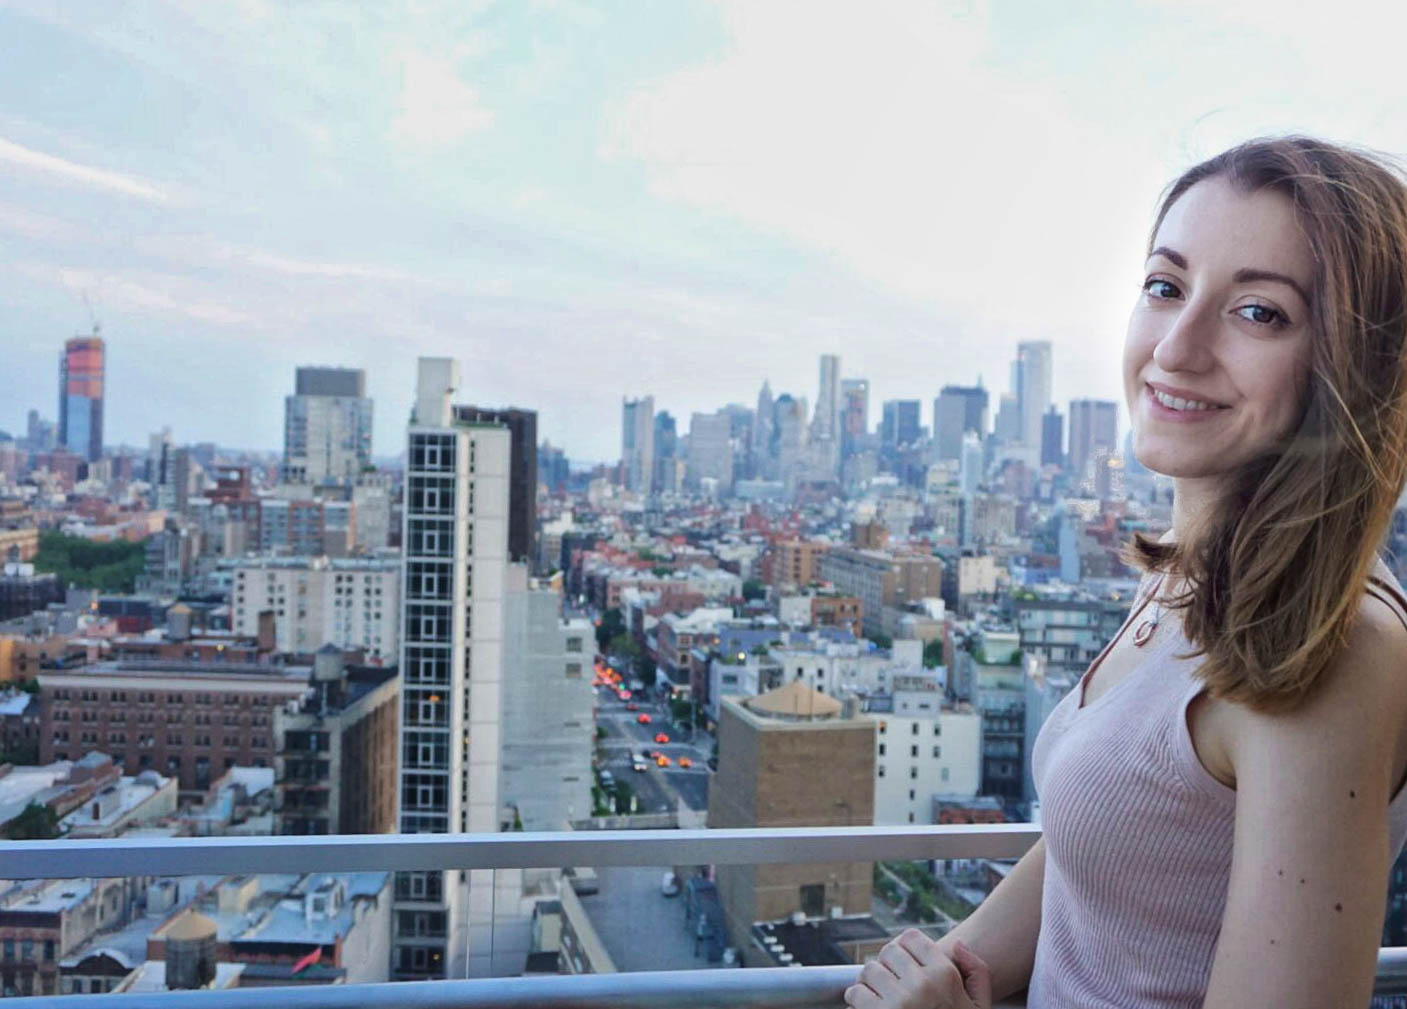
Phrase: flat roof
pixel 183 669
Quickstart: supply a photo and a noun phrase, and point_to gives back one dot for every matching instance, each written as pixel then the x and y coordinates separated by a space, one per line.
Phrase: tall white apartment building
pixel 637 443
pixel 327 426
pixel 455 558
pixel 349 602
pixel 1033 388
pixel 923 749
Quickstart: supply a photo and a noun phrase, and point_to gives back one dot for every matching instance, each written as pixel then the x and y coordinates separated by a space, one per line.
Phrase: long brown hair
pixel 1274 574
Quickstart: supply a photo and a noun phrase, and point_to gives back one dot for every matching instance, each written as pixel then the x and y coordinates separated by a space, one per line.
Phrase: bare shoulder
pixel 1362 696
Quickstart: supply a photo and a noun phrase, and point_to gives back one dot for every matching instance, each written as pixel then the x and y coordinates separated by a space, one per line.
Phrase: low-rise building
pixel 348 602
pixel 924 747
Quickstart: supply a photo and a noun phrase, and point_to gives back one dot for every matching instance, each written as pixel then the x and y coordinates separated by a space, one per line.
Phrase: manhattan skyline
pixel 590 201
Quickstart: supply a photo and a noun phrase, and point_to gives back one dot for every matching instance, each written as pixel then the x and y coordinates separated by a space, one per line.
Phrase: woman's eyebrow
pixel 1242 276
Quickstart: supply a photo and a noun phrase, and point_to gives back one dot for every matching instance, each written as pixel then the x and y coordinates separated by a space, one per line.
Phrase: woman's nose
pixel 1187 345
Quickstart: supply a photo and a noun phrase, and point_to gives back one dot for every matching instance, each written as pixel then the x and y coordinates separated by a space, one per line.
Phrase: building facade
pixel 327 426
pixel 81 388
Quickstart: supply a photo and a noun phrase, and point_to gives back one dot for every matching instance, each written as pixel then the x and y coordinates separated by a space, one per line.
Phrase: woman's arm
pixel 1003 929
pixel 1309 870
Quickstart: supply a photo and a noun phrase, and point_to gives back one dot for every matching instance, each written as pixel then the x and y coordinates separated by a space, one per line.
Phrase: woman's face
pixel 1217 357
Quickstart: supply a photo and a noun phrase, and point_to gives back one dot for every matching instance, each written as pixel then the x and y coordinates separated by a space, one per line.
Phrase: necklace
pixel 1145 631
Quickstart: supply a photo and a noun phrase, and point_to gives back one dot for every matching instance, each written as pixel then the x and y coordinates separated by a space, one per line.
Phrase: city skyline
pixel 675 204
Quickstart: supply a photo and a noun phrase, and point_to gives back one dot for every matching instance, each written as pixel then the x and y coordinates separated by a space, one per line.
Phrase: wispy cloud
pixel 72 172
pixel 438 107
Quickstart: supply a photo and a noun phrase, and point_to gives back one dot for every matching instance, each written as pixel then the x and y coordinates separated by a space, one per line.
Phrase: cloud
pixel 438 108
pixel 158 294
pixel 83 175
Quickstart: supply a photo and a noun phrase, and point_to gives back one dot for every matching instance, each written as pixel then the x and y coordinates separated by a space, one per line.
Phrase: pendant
pixel 1144 632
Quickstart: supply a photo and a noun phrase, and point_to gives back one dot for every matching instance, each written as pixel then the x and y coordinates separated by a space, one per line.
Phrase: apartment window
pixel 914 729
pixel 945 774
pixel 879 770
pixel 431 537
pixel 426 749
pixel 430 495
pixel 427 623
pixel 937 751
pixel 175 698
pixel 573 670
pixel 574 644
pixel 9 949
pixel 173 765
pixel 913 772
pixel 427 580
pixel 173 739
pixel 427 708
pixel 913 751
pixel 911 795
pixel 881 749
pixel 937 729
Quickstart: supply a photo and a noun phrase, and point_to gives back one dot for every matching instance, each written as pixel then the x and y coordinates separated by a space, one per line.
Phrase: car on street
pixel 663 761
pixel 655 754
pixel 632 706
pixel 624 695
pixel 643 719
pixel 685 762
pixel 660 737
pixel 639 765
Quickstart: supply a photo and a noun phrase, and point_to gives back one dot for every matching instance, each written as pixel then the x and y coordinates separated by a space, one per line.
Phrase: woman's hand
pixel 912 973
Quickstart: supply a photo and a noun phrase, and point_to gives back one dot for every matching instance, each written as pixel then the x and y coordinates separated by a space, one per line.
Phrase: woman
pixel 1222 793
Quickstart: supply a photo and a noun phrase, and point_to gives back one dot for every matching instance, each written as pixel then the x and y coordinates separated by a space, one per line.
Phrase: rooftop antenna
pixel 92 317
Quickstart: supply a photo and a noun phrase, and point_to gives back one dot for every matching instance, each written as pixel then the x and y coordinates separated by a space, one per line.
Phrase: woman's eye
pixel 1262 314
pixel 1160 288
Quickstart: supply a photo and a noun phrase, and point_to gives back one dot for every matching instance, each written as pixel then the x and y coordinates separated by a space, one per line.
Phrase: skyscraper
pixel 522 483
pixel 1052 438
pixel 1033 389
pixel 455 537
pixel 666 478
pixel 637 443
pixel 326 426
pixel 854 415
pixel 899 425
pixel 1094 425
pixel 81 369
pixel 764 435
pixel 825 426
pixel 957 410
pixel 711 449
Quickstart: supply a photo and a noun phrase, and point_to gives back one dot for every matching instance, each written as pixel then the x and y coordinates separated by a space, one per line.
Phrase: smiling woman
pixel 1222 792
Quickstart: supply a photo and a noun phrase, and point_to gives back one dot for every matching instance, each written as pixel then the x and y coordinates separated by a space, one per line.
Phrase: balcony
pixel 772 988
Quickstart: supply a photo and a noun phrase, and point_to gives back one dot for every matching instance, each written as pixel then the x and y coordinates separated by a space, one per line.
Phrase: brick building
pixel 189 720
pixel 792 757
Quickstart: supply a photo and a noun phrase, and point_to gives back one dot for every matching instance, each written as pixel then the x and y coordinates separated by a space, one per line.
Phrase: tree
pixel 645 670
pixel 624 646
pixel 37 823
pixel 882 640
pixel 754 589
pixel 933 654
pixel 612 624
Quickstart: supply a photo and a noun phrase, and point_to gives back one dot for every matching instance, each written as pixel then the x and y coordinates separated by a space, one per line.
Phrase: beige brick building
pixel 792 757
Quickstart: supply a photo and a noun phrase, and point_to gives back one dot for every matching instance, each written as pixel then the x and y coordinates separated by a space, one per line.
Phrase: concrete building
pixel 42 922
pixel 1032 370
pixel 825 426
pixel 958 410
pixel 1094 432
pixel 548 727
pixel 522 473
pixel 854 416
pixel 788 758
pixel 924 747
pixel 352 603
pixel 455 556
pixel 637 443
pixel 81 391
pixel 881 579
pixel 336 751
pixel 711 451
pixel 188 720
pixel 793 562
pixel 327 426
pixel 1052 438
pixel 304 526
pixel 22 591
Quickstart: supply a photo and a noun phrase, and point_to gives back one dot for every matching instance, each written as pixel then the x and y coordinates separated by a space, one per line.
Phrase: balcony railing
pixel 764 988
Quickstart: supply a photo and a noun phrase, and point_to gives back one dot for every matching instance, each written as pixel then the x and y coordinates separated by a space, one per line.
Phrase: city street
pixel 659 789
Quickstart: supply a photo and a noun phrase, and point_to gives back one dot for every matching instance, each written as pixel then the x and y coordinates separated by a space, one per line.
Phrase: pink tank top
pixel 1138 837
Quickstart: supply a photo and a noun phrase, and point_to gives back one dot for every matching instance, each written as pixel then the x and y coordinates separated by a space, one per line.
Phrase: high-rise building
pixel 1033 388
pixel 899 425
pixel 825 426
pixel 326 426
pixel 957 410
pixel 552 467
pixel 1052 438
pixel 763 448
pixel 522 480
pixel 637 443
pixel 81 396
pixel 854 415
pixel 666 478
pixel 711 449
pixel 1008 423
pixel 1094 425
pixel 455 557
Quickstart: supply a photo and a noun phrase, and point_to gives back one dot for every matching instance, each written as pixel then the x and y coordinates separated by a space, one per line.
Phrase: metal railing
pixel 755 988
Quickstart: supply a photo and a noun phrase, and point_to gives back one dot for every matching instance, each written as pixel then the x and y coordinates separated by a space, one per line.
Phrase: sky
pixel 583 201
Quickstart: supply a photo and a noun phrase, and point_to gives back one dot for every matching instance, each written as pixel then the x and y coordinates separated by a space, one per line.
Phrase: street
pixel 659 789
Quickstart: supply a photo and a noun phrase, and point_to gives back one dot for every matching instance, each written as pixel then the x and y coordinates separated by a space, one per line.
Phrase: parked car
pixel 608 780
pixel 660 737
pixel 639 765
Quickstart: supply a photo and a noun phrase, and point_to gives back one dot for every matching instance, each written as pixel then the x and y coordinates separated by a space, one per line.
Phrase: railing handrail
pixel 188 856
pixel 754 988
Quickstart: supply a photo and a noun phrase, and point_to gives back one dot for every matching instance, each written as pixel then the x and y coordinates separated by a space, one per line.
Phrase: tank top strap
pixel 1390 595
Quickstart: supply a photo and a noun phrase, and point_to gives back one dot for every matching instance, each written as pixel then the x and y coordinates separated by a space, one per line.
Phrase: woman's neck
pixel 1192 498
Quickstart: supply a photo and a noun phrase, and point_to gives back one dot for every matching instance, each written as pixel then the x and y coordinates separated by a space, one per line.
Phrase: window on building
pixel 913 751
pixel 914 729
pixel 913 772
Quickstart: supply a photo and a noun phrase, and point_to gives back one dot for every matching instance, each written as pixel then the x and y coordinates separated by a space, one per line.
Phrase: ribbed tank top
pixel 1138 837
